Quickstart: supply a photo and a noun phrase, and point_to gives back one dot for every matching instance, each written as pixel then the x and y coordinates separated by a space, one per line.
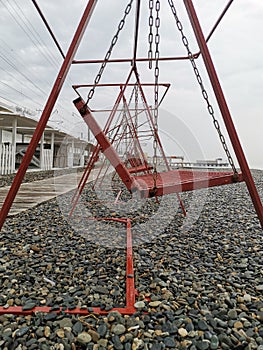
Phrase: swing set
pixel 131 123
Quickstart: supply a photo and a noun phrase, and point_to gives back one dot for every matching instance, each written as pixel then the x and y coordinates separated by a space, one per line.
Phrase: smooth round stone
pixel 84 338
pixel 127 346
pixel 65 322
pixel 94 335
pixel 102 330
pixel 203 344
pixel 189 327
pixel 207 335
pixel 118 329
pixel 259 288
pixel 247 298
pixel 60 333
pixel 250 332
pixel 221 323
pixel 7 333
pixel 182 332
pixel 28 306
pixel 101 290
pixel 139 305
pixel 169 342
pixel 117 342
pixel 232 314
pixel 47 332
pixel 238 325
pixel 202 325
pixel 21 331
pixel 103 343
pixel 77 327
pixel 155 303
pixel 214 342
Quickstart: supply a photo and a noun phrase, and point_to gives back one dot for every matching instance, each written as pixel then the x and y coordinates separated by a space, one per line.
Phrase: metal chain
pixel 136 116
pixel 204 92
pixel 150 36
pixel 156 87
pixel 125 119
pixel 131 97
pixel 109 52
pixel 136 106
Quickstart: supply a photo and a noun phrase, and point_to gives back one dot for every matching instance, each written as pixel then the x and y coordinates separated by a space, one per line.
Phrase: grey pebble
pixel 118 329
pixel 22 331
pixel 204 278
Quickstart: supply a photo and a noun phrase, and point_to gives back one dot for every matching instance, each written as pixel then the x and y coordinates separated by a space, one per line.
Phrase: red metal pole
pixel 224 110
pixel 109 152
pixel 130 287
pixel 131 291
pixel 134 132
pixel 47 110
pixel 130 60
pixel 92 160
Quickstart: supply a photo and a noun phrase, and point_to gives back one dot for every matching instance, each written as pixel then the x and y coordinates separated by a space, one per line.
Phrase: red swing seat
pixel 137 166
pixel 175 181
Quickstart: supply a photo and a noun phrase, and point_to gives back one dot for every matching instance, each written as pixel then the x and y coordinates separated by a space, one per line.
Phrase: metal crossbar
pixel 131 291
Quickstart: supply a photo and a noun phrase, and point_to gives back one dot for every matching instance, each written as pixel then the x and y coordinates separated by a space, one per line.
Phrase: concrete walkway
pixel 32 193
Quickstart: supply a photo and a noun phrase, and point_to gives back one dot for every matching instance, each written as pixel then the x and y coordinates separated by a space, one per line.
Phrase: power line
pixel 17 70
pixel 21 63
pixel 29 33
pixel 20 92
pixel 33 35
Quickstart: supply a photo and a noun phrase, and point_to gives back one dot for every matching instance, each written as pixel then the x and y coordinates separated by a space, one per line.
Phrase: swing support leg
pixel 224 110
pixel 105 144
pixel 47 110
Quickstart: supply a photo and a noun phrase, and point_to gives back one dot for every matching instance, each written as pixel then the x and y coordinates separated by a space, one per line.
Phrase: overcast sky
pixel 29 63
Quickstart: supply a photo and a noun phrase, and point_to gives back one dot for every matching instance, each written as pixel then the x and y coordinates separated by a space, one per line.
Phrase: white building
pixel 57 149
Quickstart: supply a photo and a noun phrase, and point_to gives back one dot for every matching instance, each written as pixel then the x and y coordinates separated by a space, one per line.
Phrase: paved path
pixel 32 193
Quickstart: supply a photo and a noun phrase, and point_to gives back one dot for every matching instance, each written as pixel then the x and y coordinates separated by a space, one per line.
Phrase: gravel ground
pixel 199 279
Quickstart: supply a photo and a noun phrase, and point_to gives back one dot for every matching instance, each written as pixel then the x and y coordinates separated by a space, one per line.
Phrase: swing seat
pixel 139 169
pixel 137 166
pixel 175 181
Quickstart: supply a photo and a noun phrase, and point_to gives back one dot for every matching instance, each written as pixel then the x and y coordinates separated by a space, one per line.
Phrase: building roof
pixel 27 122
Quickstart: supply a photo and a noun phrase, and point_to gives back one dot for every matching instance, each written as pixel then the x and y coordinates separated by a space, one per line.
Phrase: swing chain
pixel 109 52
pixel 156 88
pixel 150 36
pixel 136 98
pixel 203 90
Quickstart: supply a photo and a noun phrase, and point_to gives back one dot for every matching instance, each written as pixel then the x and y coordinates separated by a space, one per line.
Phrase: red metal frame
pixel 131 291
pixel 105 144
pixel 68 61
pixel 176 181
pixel 47 110
pixel 106 129
pixel 93 158
pixel 224 110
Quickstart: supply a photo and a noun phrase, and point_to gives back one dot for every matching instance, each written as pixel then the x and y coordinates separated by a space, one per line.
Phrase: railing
pixel 46 163
pixel 6 159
